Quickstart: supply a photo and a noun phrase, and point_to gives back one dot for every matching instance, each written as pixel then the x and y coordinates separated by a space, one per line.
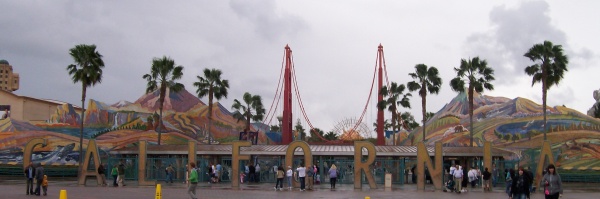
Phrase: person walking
pixel 169 170
pixel 102 173
pixel 279 174
pixel 257 168
pixel 458 176
pixel 275 171
pixel 333 173
pixel 552 183
pixel 219 172
pixel 486 180
pixel 465 181
pixel 302 175
pixel 317 176
pixel 121 172
pixel 451 173
pixel 115 172
pixel 247 172
pixel 252 173
pixel 193 179
pixel 39 176
pixel 310 173
pixel 29 175
pixel 472 177
pixel 289 177
pixel 520 185
pixel 495 175
pixel 509 180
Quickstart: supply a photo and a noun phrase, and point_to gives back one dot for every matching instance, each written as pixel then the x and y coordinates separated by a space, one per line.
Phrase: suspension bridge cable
pixel 368 98
pixel 277 93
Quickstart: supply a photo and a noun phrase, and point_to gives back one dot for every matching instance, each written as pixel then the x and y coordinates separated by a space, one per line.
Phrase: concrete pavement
pixel 15 189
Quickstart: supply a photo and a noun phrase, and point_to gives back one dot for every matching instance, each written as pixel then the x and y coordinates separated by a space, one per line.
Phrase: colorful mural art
pixel 514 125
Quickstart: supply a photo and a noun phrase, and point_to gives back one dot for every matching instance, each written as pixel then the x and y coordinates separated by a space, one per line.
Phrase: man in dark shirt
pixel 102 173
pixel 29 174
pixel 39 176
pixel 486 180
pixel 252 173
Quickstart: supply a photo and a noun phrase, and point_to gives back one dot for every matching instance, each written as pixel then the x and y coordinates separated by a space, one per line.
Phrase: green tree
pixel 393 94
pixel 213 86
pixel 274 128
pixel 314 137
pixel 163 74
pixel 550 65
pixel 409 121
pixel 476 75
pixel 386 125
pixel 331 136
pixel 300 129
pixel 429 115
pixel 87 70
pixel 427 80
pixel 251 110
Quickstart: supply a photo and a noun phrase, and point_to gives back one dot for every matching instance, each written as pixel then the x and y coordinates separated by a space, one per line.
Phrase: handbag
pixel 546 191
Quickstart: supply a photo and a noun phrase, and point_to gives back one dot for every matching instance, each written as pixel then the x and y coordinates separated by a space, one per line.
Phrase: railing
pixel 49 171
pixel 595 178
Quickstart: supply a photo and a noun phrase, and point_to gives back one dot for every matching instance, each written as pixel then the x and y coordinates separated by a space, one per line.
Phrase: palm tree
pixel 163 74
pixel 252 109
pixel 330 136
pixel 427 81
pixel 213 86
pixel 394 92
pixel 429 115
pixel 300 130
pixel 386 125
pixel 87 70
pixel 550 64
pixel 408 121
pixel 477 75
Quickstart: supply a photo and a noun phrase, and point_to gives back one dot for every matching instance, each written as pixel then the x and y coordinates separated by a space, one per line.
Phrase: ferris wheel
pixel 350 129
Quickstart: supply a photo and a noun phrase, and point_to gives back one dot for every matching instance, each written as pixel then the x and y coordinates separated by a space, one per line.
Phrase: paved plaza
pixel 15 189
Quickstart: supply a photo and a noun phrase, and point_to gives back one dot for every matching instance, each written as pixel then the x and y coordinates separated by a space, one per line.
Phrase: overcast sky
pixel 334 45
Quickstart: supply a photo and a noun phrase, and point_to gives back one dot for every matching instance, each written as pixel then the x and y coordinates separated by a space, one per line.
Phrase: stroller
pixel 449 186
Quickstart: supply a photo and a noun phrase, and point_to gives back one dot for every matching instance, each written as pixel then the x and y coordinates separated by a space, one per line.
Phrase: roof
pixel 3 61
pixel 56 102
pixel 318 150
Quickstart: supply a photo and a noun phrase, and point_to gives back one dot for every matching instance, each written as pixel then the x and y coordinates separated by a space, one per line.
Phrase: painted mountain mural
pixel 517 125
pixel 514 125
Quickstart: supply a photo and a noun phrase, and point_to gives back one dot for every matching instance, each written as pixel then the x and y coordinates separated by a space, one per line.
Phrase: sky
pixel 334 46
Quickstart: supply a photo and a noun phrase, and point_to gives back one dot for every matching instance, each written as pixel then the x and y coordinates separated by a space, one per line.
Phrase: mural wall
pixel 515 125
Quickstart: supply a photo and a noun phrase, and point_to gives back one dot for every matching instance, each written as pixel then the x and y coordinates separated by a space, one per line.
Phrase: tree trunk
pixel 471 112
pixel 247 121
pixel 544 93
pixel 161 100
pixel 209 116
pixel 394 116
pixel 81 128
pixel 424 111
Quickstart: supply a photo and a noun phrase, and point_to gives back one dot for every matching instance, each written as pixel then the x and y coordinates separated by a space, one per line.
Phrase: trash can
pixel 388 180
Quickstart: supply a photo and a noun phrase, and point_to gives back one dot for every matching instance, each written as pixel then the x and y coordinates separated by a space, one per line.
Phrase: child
pixel 318 179
pixel 45 184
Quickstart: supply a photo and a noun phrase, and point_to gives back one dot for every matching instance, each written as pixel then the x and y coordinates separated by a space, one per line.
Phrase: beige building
pixel 28 109
pixel 9 81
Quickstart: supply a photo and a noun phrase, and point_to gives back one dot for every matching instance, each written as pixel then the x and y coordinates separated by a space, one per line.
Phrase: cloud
pixel 266 22
pixel 513 31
